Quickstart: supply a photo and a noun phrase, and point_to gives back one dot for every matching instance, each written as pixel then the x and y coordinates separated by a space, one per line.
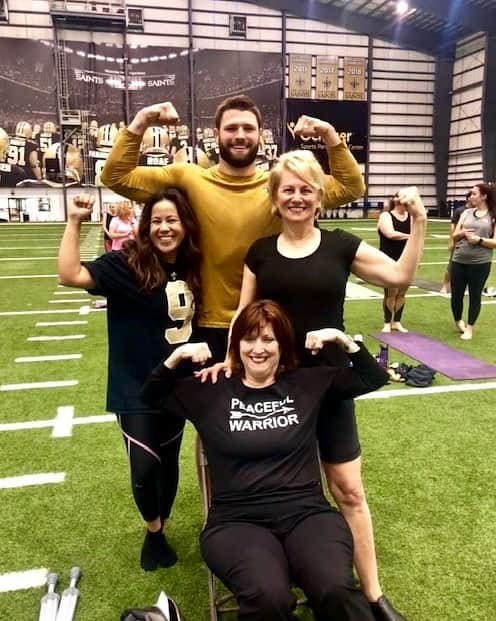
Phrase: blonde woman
pixel 122 226
pixel 393 227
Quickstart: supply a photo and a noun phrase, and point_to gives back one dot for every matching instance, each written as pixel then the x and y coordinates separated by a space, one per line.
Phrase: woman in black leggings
pixel 150 285
pixel 475 239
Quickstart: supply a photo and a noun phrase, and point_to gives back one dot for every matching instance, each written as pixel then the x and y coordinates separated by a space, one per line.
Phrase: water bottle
pixel 383 355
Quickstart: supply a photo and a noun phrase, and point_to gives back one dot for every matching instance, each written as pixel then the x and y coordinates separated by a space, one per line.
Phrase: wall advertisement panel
pixel 350 118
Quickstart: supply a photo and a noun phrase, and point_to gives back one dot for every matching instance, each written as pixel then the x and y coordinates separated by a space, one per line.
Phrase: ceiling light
pixel 402 7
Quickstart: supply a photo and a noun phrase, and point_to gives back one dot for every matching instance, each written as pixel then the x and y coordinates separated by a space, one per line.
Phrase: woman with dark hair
pixel 305 269
pixel 151 286
pixel 269 521
pixel 475 240
pixel 393 227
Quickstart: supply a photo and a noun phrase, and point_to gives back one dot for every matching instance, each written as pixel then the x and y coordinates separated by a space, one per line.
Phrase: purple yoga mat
pixel 450 362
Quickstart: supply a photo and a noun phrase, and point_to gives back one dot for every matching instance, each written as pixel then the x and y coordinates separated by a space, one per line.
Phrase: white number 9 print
pixel 181 308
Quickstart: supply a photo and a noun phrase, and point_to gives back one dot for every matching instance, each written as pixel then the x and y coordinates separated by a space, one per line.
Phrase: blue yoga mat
pixel 456 365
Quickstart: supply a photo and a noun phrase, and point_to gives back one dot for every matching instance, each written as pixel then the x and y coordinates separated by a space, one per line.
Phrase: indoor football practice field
pixel 428 452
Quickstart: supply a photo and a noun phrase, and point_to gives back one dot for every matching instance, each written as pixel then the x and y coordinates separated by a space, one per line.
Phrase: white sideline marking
pixel 32 385
pixel 488 302
pixel 68 337
pixel 28 276
pixel 43 424
pixel 20 580
pixel 36 312
pixel 62 424
pixel 76 301
pixel 429 390
pixel 76 322
pixel 49 358
pixel 26 480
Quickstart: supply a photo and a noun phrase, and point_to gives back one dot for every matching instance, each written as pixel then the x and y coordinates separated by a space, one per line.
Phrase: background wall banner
pixel 326 77
pixel 300 76
pixel 350 118
pixel 97 85
pixel 220 74
pixel 354 77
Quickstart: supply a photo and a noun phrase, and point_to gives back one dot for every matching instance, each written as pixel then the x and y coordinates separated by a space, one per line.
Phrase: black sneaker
pixel 383 610
pixel 156 552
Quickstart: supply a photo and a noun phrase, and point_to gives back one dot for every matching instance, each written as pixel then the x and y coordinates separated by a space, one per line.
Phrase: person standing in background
pixel 475 239
pixel 446 287
pixel 393 227
pixel 106 220
pixel 122 226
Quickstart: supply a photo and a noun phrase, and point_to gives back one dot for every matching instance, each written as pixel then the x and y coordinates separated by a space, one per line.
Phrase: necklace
pixel 478 214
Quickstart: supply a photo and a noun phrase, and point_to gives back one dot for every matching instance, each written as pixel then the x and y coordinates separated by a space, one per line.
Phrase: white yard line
pixel 44 424
pixel 34 385
pixel 441 262
pixel 427 294
pixel 76 322
pixel 71 301
pixel 62 424
pixel 49 358
pixel 26 480
pixel 28 258
pixel 75 292
pixel 36 312
pixel 67 337
pixel 28 247
pixel 21 276
pixel 21 580
pixel 430 390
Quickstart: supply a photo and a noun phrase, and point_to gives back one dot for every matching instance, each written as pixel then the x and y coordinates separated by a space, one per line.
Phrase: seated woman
pixel 269 522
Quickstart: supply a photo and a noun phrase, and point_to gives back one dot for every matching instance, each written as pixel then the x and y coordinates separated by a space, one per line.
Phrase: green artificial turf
pixel 428 460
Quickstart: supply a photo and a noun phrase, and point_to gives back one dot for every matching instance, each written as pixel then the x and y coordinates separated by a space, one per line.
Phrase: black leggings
pixel 153 442
pixel 257 565
pixel 474 276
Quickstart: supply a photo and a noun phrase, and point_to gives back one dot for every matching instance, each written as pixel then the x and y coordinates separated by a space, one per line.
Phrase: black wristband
pixel 479 243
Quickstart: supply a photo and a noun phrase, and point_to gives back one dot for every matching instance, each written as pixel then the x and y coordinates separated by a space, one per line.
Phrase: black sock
pixel 156 552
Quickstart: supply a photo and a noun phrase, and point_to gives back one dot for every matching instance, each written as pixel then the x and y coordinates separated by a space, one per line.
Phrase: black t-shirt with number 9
pixel 142 328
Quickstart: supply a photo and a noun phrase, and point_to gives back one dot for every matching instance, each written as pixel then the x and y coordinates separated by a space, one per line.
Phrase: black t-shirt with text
pixel 261 442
